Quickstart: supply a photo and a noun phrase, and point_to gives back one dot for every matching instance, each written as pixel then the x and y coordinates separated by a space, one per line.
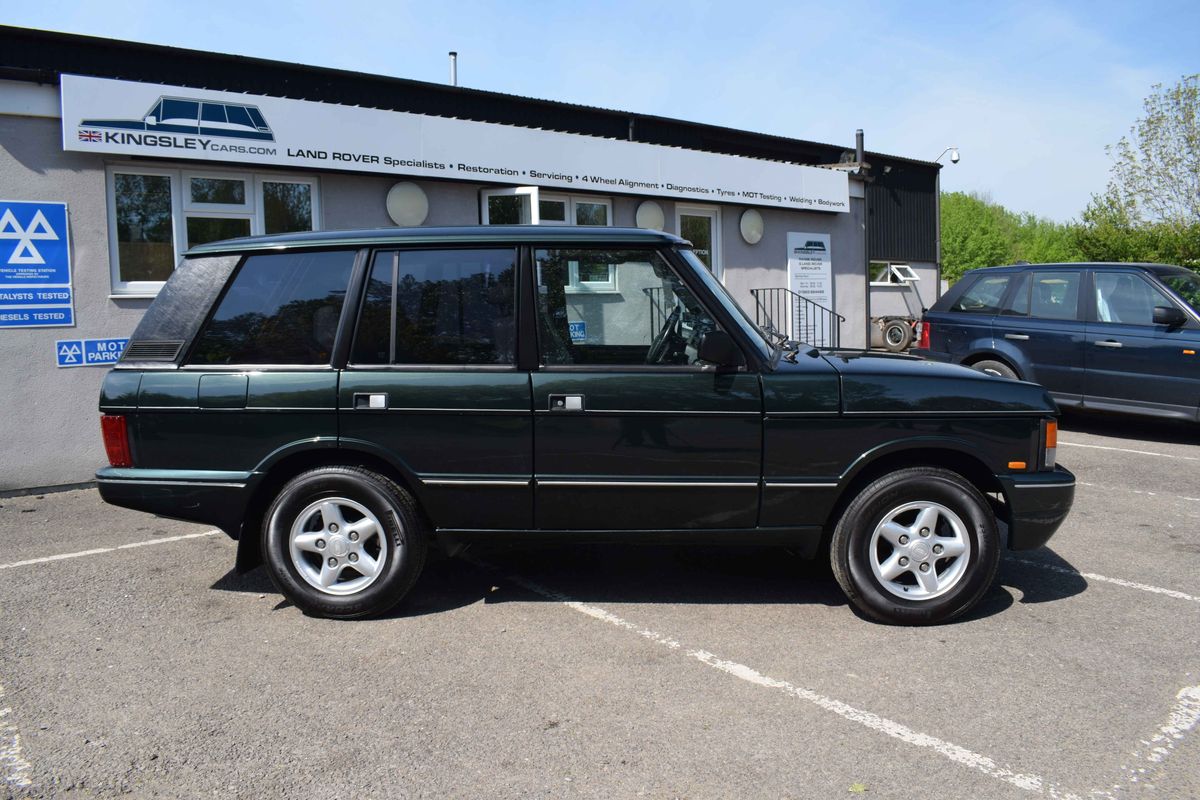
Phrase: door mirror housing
pixel 1170 316
pixel 718 347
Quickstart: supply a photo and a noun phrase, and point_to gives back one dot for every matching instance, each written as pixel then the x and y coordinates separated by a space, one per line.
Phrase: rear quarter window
pixel 983 296
pixel 281 308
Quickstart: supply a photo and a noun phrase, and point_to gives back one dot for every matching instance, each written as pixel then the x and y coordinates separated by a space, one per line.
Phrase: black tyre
pixel 997 368
pixel 916 547
pixel 343 542
pixel 897 335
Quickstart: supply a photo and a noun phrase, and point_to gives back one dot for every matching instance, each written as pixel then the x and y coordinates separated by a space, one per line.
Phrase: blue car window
pixel 1127 299
pixel 257 118
pixel 984 295
pixel 239 116
pixel 1018 301
pixel 180 111
pixel 212 112
pixel 1054 295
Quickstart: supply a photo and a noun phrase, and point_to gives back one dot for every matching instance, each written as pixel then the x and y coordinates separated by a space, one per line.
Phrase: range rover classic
pixel 339 402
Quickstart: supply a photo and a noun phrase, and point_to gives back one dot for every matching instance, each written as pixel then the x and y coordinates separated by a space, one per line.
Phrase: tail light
pixel 116 440
pixel 923 335
pixel 1051 439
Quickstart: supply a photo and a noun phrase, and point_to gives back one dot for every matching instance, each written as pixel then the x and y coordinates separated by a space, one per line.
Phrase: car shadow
pixel 1129 428
pixel 664 574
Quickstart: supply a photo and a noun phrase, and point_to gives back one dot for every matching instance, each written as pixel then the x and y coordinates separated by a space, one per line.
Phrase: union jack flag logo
pixel 89 136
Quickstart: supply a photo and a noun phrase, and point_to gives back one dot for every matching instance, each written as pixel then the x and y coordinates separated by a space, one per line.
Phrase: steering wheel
pixel 662 340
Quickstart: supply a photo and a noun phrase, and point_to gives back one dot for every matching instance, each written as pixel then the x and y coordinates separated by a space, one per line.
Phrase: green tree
pixel 1150 210
pixel 979 233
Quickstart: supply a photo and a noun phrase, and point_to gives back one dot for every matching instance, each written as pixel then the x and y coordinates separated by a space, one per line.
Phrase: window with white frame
pixel 156 214
pixel 529 205
pixel 885 273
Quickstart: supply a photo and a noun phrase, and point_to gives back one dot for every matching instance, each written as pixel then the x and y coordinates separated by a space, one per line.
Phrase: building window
pixel 157 214
pixel 884 273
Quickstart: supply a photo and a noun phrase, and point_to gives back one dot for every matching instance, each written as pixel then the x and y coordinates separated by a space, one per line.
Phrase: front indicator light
pixel 1051 438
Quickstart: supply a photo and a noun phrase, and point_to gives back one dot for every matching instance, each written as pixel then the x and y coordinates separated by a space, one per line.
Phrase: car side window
pixel 1054 295
pixel 446 307
pixel 983 297
pixel 1018 301
pixel 280 308
pixel 1127 298
pixel 648 317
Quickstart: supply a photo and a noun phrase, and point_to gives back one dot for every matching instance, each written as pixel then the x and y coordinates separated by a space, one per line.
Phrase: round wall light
pixel 407 204
pixel 650 216
pixel 751 226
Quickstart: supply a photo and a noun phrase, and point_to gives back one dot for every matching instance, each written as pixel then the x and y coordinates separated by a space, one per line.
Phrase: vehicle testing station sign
pixel 35 265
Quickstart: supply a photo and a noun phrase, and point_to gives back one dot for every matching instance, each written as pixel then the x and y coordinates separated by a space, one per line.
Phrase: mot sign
pixel 35 265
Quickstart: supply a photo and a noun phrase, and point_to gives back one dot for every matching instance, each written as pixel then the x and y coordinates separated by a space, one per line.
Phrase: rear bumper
pixel 208 497
pixel 1038 502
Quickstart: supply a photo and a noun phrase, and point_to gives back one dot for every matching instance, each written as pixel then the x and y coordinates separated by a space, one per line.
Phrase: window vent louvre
pixel 152 350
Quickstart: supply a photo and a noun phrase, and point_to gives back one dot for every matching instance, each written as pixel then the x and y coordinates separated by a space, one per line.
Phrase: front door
pixel 1043 320
pixel 631 430
pixel 1129 359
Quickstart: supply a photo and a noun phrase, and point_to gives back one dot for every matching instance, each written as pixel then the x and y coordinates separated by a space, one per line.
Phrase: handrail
pixel 797 317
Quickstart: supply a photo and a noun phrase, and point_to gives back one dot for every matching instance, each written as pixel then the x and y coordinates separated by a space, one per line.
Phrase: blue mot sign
pixel 35 265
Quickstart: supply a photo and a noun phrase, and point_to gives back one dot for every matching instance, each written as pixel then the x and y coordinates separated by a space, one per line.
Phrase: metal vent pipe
pixel 453 68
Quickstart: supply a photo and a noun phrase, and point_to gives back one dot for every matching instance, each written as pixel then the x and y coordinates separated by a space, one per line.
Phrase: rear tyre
pixel 918 546
pixel 343 542
pixel 996 368
pixel 897 335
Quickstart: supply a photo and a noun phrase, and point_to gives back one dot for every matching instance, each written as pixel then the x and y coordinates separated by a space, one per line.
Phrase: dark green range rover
pixel 339 401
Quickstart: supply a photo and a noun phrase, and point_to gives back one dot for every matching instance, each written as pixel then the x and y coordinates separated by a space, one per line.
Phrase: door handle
pixel 566 402
pixel 365 401
pixel 1109 343
pixel 1020 337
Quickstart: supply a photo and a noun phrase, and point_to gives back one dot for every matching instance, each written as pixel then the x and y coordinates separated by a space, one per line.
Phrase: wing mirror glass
pixel 1170 316
pixel 717 347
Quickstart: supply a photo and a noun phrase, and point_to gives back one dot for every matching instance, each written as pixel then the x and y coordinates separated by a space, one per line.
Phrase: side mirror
pixel 1170 316
pixel 717 347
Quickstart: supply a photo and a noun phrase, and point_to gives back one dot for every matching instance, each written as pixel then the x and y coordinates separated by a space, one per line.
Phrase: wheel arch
pixel 992 355
pixel 277 470
pixel 945 453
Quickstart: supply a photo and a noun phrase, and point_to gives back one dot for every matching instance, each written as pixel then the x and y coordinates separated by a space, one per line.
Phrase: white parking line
pixel 1184 717
pixel 1138 491
pixel 867 719
pixel 14 769
pixel 98 550
pixel 1061 443
pixel 1091 576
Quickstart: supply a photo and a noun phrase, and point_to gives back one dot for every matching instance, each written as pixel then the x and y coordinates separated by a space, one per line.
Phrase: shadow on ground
pixel 664 574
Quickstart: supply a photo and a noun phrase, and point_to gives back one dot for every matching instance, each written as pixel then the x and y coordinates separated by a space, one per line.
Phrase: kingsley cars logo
pixel 183 122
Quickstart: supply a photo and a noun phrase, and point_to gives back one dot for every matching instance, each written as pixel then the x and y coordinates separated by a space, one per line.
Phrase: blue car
pixel 198 117
pixel 1111 337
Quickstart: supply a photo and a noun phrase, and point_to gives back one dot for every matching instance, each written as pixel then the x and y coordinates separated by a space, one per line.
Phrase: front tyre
pixel 343 542
pixel 918 546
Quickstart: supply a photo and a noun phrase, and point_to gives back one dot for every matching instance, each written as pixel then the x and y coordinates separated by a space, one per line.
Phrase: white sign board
pixel 144 119
pixel 810 275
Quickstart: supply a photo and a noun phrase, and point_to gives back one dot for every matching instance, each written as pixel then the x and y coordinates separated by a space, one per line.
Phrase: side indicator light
pixel 1189 352
pixel 1016 465
pixel 1051 443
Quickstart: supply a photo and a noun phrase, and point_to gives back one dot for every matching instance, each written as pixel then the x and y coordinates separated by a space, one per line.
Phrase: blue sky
pixel 1030 92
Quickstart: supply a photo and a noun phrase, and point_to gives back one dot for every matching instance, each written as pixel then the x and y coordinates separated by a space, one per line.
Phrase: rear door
pixel 432 383
pixel 966 325
pixel 1044 323
pixel 631 430
pixel 1132 361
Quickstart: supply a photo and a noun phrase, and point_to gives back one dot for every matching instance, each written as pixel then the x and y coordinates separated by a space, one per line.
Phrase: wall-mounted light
pixel 407 204
pixel 751 226
pixel 650 216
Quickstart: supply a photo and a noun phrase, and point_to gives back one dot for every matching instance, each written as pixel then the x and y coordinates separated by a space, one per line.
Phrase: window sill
pixel 133 296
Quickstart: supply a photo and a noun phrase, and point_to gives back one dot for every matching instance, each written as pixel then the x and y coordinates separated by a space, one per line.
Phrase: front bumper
pixel 208 497
pixel 1038 503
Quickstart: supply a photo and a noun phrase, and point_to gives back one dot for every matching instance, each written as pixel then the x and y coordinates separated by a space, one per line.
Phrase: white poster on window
pixel 810 275
pixel 100 115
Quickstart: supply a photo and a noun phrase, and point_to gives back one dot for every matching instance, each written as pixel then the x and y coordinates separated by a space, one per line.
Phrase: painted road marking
pixel 1061 443
pixel 1091 576
pixel 953 752
pixel 1138 491
pixel 1183 718
pixel 14 769
pixel 99 550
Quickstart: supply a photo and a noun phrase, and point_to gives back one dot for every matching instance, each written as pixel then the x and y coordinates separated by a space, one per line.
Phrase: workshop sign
pixel 101 115
pixel 35 265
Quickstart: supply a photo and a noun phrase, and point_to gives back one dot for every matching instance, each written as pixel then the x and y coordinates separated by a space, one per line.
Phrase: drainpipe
pixel 453 68
pixel 860 157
